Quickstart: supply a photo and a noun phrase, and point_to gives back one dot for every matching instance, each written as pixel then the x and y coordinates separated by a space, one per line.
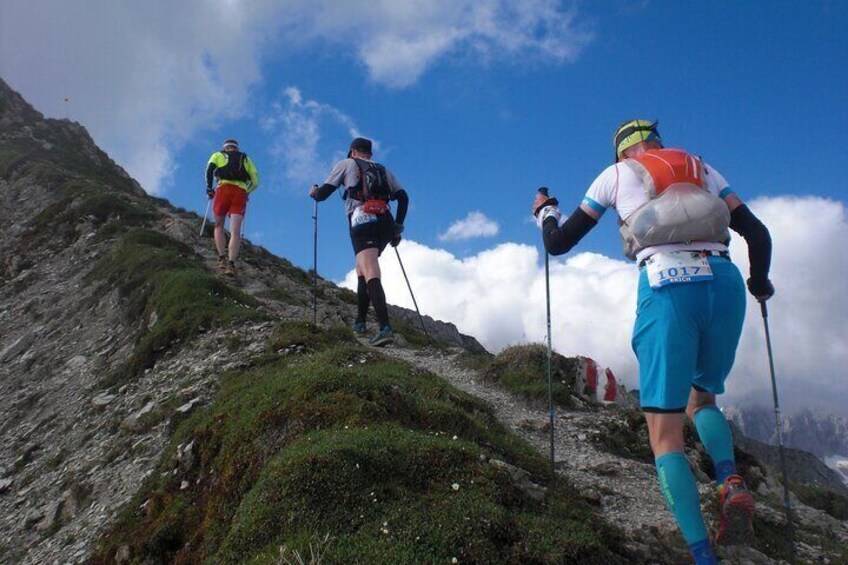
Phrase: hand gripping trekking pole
pixel 786 500
pixel 409 286
pixel 550 371
pixel 315 268
pixel 205 216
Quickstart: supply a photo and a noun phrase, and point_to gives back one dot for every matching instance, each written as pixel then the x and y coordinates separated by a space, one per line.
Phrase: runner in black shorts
pixel 373 235
pixel 369 188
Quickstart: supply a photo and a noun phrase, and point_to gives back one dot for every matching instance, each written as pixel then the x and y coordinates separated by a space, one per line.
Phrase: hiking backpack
pixel 234 169
pixel 680 209
pixel 373 182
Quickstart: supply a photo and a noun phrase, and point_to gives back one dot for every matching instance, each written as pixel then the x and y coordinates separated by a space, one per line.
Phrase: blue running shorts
pixel 686 335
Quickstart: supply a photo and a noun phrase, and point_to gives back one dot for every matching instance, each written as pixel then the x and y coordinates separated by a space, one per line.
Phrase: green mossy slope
pixel 391 462
pixel 161 280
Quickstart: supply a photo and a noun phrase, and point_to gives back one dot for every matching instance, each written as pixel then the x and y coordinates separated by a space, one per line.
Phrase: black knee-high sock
pixel 378 299
pixel 362 301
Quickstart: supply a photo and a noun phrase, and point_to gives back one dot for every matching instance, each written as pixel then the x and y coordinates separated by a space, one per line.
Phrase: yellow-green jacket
pixel 232 167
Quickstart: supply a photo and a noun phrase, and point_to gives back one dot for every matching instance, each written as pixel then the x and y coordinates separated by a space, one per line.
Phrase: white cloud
pixel 808 316
pixel 296 126
pixel 142 77
pixel 475 224
pixel 398 41
pixel 498 296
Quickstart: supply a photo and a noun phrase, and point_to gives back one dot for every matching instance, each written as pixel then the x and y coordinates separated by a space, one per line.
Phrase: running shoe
pixel 384 337
pixel 230 269
pixel 736 506
pixel 359 328
pixel 222 262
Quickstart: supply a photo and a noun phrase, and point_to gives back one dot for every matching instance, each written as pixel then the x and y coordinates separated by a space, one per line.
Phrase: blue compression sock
pixel 703 553
pixel 715 434
pixel 681 493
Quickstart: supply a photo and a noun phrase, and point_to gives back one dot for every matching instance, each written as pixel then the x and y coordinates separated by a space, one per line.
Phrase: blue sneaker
pixel 383 337
pixel 359 328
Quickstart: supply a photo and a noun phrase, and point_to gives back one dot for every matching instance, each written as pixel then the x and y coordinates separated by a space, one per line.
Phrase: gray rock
pixel 51 518
pixel 17 347
pixel 521 478
pixel 31 518
pixel 103 399
pixel 77 361
pixel 188 406
pixel 123 554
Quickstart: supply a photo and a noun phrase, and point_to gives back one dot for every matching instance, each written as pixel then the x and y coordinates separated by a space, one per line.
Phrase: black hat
pixel 231 143
pixel 360 144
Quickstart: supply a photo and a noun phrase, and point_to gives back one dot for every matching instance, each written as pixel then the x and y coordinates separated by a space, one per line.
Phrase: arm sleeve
pixel 210 174
pixel 757 236
pixel 211 167
pixel 324 192
pixel 403 203
pixel 559 240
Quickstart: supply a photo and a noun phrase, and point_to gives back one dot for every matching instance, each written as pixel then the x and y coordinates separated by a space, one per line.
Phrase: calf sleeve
pixel 362 301
pixel 715 434
pixel 378 299
pixel 681 493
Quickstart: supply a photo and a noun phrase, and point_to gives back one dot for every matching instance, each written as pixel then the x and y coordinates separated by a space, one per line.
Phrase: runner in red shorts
pixel 237 178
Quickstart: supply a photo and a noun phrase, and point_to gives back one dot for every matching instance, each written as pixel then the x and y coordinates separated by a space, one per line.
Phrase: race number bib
pixel 677 267
pixel 359 217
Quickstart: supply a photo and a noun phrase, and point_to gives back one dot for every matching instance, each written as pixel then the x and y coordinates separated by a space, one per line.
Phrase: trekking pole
pixel 409 286
pixel 786 500
pixel 205 216
pixel 550 349
pixel 315 268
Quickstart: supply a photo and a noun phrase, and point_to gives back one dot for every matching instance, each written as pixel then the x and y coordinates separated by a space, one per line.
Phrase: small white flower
pixel 455 486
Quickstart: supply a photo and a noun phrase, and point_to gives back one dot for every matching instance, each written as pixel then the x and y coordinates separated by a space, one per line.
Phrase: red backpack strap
pixel 660 168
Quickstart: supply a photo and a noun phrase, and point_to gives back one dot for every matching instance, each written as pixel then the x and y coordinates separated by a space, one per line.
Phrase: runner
pixel 237 178
pixel 674 213
pixel 369 187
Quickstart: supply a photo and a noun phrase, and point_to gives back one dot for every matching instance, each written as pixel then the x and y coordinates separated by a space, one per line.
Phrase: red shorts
pixel 229 199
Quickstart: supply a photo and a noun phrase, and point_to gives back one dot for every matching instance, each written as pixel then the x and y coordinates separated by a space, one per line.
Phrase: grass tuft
pixel 522 370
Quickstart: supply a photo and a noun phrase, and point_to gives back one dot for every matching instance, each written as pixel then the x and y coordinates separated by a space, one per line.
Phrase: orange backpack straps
pixel 661 168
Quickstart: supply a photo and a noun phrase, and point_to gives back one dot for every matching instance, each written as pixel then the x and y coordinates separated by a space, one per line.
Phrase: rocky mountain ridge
pixel 821 435
pixel 121 344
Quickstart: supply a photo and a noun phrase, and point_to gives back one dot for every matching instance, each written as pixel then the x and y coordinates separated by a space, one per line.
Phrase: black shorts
pixel 373 235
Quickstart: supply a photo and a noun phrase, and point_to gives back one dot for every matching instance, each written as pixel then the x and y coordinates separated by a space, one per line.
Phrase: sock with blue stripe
pixel 715 434
pixel 677 485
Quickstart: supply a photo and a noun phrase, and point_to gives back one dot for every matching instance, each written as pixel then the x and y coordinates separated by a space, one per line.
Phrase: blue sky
pixel 473 105
pixel 759 93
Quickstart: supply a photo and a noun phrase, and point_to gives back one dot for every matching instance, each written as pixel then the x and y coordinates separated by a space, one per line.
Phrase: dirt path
pixel 624 490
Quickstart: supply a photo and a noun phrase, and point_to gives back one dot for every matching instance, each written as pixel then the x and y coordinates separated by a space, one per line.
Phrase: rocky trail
pixel 623 490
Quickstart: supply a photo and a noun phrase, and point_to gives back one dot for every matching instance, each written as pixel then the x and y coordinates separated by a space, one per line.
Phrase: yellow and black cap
pixel 632 132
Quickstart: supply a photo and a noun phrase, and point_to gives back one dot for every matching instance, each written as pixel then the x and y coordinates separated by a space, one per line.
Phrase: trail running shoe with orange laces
pixel 222 262
pixel 736 506
pixel 230 269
